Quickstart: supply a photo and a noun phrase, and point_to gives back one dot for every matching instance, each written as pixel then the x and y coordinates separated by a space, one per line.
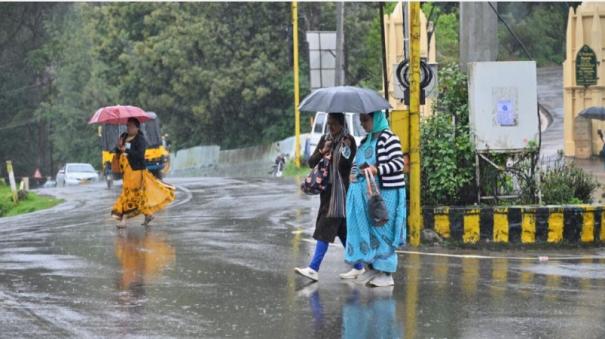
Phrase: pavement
pixel 218 263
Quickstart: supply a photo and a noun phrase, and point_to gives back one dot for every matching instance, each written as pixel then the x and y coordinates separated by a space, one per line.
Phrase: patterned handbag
pixel 318 180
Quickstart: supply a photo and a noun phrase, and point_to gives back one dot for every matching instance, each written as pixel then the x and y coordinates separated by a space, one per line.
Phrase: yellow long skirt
pixel 141 193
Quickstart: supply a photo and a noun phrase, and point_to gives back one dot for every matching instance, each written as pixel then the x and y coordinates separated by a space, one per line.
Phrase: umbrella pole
pixel 296 86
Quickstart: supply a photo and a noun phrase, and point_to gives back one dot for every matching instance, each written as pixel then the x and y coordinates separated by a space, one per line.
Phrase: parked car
pixel 320 125
pixel 49 184
pixel 76 174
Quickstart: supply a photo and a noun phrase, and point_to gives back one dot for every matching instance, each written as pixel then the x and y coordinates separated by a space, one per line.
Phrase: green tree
pixel 211 80
pixel 77 89
pixel 541 27
pixel 24 83
pixel 445 22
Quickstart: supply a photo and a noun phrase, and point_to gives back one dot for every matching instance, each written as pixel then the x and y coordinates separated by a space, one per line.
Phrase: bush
pixel 292 171
pixel 565 183
pixel 447 164
pixel 448 174
pixel 448 160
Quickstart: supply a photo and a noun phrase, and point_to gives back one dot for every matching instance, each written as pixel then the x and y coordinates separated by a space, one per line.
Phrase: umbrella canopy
pixel 344 99
pixel 118 115
pixel 594 113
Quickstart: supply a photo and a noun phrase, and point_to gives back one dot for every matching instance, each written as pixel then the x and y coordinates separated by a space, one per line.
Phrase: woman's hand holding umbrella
pixel 120 144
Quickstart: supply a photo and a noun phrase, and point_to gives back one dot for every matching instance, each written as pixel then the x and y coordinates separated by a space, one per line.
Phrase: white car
pixel 320 125
pixel 76 174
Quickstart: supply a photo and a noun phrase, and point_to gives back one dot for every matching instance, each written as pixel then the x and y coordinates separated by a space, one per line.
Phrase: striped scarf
pixel 337 206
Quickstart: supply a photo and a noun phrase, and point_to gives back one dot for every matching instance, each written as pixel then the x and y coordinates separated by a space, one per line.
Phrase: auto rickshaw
pixel 157 155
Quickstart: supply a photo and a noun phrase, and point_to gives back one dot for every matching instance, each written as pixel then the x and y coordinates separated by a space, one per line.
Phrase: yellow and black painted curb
pixel 518 225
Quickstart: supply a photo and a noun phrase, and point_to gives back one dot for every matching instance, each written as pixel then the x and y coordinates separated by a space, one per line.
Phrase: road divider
pixel 577 224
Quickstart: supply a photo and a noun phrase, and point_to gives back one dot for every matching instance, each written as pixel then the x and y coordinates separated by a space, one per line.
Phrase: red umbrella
pixel 118 115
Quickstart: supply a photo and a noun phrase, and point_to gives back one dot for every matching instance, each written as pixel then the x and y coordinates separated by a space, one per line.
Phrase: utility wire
pixel 511 31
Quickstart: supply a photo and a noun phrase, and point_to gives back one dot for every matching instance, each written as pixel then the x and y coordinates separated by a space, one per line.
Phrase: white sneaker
pixel 366 277
pixel 307 272
pixel 382 280
pixel 352 274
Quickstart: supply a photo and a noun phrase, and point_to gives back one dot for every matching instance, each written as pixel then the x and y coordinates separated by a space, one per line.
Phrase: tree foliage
pixel 541 27
pixel 445 21
pixel 216 73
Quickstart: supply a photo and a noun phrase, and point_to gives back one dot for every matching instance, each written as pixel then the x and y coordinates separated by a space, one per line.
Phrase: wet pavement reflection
pixel 218 263
pixel 142 256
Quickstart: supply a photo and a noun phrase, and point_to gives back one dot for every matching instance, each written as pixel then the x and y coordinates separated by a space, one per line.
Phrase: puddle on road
pixel 142 257
pixel 572 270
pixel 225 269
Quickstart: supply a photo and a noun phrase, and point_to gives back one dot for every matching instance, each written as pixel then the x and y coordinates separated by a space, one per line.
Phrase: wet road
pixel 550 95
pixel 218 263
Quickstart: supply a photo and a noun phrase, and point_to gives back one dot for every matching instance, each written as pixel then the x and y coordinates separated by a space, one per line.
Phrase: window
pixel 81 168
pixel 320 121
pixel 358 130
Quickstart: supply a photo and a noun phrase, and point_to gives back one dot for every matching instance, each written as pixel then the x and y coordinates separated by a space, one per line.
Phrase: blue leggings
pixel 320 251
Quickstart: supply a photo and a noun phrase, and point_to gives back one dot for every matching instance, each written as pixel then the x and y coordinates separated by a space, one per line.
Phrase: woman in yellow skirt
pixel 142 193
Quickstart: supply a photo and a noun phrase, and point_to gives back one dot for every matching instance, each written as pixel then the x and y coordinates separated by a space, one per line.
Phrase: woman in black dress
pixel 340 147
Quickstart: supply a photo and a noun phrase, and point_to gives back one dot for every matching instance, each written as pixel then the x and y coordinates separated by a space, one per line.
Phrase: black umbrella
pixel 597 113
pixel 344 99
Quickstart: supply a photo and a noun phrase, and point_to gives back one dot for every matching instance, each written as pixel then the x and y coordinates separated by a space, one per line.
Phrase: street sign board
pixel 586 67
pixel 322 58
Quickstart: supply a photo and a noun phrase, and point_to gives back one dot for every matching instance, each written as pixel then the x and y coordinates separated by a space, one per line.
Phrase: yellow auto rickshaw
pixel 157 155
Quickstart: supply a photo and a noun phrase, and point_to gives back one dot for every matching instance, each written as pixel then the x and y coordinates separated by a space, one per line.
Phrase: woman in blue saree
pixel 381 156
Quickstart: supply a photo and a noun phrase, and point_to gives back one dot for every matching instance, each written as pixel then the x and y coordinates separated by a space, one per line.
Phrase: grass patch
pixel 292 171
pixel 33 202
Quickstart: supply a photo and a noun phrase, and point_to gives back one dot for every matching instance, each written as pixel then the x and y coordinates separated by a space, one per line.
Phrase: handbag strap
pixel 374 184
pixel 365 172
pixel 371 182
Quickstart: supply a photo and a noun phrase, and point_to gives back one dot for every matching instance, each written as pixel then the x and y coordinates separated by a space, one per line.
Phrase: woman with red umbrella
pixel 142 193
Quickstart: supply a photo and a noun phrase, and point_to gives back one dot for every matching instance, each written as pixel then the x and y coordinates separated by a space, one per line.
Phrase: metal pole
pixel 340 39
pixel 406 40
pixel 385 78
pixel 415 216
pixel 296 87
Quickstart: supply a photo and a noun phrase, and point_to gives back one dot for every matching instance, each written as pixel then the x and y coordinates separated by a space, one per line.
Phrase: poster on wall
pixel 505 99
pixel 505 114
pixel 503 105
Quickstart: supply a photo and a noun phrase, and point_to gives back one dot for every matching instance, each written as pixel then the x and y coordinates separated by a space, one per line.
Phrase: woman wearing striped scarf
pixel 339 146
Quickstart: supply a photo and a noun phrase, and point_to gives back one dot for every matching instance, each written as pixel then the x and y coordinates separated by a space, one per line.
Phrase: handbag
pixel 377 209
pixel 318 180
pixel 115 164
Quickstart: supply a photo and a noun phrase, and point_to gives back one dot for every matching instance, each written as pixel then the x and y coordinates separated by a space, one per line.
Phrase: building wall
pixel 585 26
pixel 394 49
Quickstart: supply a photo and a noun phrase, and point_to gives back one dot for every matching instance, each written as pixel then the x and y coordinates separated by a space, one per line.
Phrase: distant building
pixel 583 79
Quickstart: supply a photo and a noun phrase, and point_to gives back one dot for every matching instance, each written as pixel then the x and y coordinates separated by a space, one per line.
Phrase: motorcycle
pixel 279 165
